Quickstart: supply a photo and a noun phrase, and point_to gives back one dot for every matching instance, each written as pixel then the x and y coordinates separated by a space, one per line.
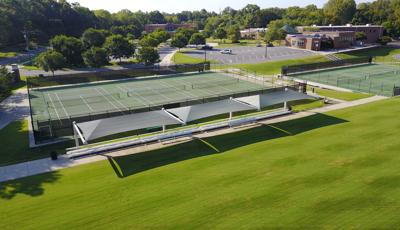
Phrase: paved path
pixel 46 165
pixel 167 59
pixel 15 107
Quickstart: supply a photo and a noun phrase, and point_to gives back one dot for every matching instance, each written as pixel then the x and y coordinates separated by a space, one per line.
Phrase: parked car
pixel 206 47
pixel 258 45
pixel 269 44
pixel 226 51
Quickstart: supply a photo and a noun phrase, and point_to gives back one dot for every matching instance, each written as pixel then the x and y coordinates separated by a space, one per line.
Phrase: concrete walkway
pixel 15 107
pixel 167 59
pixel 46 165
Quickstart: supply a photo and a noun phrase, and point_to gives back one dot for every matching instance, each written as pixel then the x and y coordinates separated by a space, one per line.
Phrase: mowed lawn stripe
pixel 337 170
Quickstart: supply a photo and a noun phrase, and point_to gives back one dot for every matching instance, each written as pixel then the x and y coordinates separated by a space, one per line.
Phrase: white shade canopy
pixel 195 112
pixel 104 127
pixel 273 98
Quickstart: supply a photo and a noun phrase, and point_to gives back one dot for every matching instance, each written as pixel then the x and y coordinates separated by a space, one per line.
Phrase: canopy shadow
pixel 125 166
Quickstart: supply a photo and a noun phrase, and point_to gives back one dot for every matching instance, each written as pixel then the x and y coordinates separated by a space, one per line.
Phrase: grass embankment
pixel 275 67
pixel 381 54
pixel 7 54
pixel 15 145
pixel 345 96
pixel 328 171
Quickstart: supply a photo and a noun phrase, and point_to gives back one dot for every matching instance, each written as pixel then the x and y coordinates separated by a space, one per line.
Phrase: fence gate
pixel 396 91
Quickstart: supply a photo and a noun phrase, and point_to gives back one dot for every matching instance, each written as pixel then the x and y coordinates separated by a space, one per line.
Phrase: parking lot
pixel 250 55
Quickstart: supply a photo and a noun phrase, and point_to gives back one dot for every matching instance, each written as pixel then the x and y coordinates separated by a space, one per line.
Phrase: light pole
pixel 266 51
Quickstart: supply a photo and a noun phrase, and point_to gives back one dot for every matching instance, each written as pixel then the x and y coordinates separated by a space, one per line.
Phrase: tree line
pixel 41 20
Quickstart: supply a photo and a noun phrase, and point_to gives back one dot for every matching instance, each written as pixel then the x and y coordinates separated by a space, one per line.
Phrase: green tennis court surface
pixel 120 97
pixel 370 78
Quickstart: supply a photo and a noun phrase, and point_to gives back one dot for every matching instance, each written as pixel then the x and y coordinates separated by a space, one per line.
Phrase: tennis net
pixel 152 91
pixel 212 84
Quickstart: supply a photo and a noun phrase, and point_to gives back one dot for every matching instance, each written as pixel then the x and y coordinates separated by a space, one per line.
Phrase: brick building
pixel 253 33
pixel 321 40
pixel 169 27
pixel 373 32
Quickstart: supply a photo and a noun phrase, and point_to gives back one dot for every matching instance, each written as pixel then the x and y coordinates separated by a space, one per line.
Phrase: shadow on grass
pixel 31 186
pixel 131 164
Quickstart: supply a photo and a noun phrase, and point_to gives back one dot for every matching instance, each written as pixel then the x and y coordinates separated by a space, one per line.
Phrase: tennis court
pixel 377 79
pixel 59 106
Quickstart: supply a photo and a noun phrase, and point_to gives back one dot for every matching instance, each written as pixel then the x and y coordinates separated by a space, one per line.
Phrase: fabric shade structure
pixel 195 112
pixel 104 127
pixel 273 98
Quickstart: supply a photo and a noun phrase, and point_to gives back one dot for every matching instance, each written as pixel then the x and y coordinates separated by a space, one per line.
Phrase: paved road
pixel 165 52
pixel 22 57
pixel 250 55
pixel 15 107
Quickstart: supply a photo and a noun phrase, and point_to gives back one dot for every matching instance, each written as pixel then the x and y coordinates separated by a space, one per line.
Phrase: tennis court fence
pixel 88 77
pixel 302 68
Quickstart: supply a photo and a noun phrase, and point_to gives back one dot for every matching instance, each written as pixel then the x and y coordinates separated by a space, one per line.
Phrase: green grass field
pixel 345 96
pixel 275 67
pixel 381 54
pixel 16 149
pixel 329 171
pixel 7 54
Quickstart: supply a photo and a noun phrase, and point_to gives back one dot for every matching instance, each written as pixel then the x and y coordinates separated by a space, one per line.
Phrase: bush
pixel 384 40
pixel 5 83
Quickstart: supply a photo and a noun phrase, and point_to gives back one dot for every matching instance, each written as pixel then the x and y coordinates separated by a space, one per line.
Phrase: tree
pixel 118 47
pixel 275 31
pixel 339 11
pixel 220 33
pixel 384 40
pixel 360 36
pixel 51 61
pixel 160 35
pixel 197 39
pixel 234 33
pixel 148 55
pixel 179 41
pixel 69 47
pixel 95 57
pixel 149 41
pixel 92 37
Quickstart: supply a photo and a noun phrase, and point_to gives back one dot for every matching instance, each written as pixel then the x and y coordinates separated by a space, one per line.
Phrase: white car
pixel 226 51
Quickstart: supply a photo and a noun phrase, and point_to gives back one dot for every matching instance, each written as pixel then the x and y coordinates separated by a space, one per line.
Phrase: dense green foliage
pixel 50 61
pixel 148 55
pixel 328 171
pixel 70 47
pixel 95 57
pixel 119 47
pixel 42 20
pixel 92 37
pixel 197 39
pixel 5 83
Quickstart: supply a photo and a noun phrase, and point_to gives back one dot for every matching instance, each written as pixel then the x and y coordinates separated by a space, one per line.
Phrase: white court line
pixel 65 111
pixel 178 90
pixel 108 100
pixel 54 107
pixel 168 98
pixel 126 91
pixel 114 98
pixel 86 103
pixel 132 91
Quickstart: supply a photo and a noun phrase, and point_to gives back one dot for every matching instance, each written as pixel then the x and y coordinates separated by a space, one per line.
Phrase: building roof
pixel 288 29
